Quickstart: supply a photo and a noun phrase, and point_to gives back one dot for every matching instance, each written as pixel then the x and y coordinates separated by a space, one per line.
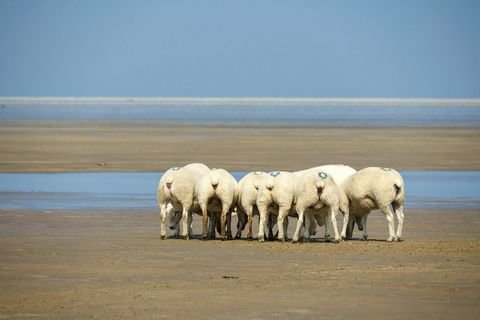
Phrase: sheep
pixel 216 191
pixel 376 188
pixel 163 199
pixel 177 187
pixel 339 172
pixel 276 193
pixel 247 203
pixel 317 194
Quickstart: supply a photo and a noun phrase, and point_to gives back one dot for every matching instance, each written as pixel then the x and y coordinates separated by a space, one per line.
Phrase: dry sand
pixel 111 265
pixel 60 147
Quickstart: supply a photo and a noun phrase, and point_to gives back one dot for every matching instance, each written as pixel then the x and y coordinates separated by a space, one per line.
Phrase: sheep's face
pixel 173 219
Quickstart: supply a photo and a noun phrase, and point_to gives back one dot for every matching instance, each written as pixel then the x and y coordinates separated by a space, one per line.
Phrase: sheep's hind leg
pixel 204 222
pixel 387 211
pixel 333 219
pixel 344 226
pixel 400 216
pixel 282 214
pixel 296 235
pixel 250 224
pixel 262 223
pixel 229 225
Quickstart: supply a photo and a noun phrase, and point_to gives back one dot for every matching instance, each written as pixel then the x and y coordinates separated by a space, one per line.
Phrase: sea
pixel 129 190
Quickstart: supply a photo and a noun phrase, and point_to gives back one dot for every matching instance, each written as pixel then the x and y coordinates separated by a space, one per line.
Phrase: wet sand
pixel 111 265
pixel 119 147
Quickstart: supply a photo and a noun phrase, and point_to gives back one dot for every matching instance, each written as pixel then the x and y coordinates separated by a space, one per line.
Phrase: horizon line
pixel 244 101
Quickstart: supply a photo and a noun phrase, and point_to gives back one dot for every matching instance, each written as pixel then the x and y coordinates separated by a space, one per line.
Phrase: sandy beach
pixel 111 265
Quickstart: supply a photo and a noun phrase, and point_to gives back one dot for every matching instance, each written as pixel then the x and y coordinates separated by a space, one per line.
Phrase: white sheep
pixel 276 195
pixel 164 197
pixel 247 203
pixel 216 193
pixel 339 173
pixel 317 195
pixel 376 188
pixel 177 188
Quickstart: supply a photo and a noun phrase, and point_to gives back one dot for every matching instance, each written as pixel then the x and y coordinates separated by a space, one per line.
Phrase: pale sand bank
pixel 60 148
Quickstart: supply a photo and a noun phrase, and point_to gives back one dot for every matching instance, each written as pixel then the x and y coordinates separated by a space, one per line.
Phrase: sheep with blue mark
pixel 276 195
pixel 339 173
pixel 317 194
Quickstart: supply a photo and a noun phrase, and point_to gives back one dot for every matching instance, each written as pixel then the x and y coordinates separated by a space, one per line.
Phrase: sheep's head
pixel 173 219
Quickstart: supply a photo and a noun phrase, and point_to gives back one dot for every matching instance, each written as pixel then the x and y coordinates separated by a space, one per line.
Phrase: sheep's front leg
pixel 296 235
pixel 282 214
pixel 190 224
pixel 364 225
pixel 387 211
pixel 163 218
pixel 333 218
pixel 400 217
pixel 327 232
pixel 350 227
pixel 204 221
pixel 185 222
pixel 306 231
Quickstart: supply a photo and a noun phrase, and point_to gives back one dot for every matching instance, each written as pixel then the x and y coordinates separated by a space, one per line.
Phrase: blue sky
pixel 337 48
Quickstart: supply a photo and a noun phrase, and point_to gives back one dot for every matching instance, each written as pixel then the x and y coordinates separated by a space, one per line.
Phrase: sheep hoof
pixel 391 239
pixel 249 238
pixel 163 237
pixel 186 237
pixel 281 239
pixel 261 239
pixel 400 239
pixel 364 238
pixel 294 240
pixel 229 237
pixel 335 241
pixel 204 237
pixel 238 236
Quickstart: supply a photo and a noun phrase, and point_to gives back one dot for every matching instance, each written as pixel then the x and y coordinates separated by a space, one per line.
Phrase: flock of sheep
pixel 314 196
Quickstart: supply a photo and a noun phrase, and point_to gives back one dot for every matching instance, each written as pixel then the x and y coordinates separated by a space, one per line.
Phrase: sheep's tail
pixel 214 179
pixel 399 191
pixel 269 183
